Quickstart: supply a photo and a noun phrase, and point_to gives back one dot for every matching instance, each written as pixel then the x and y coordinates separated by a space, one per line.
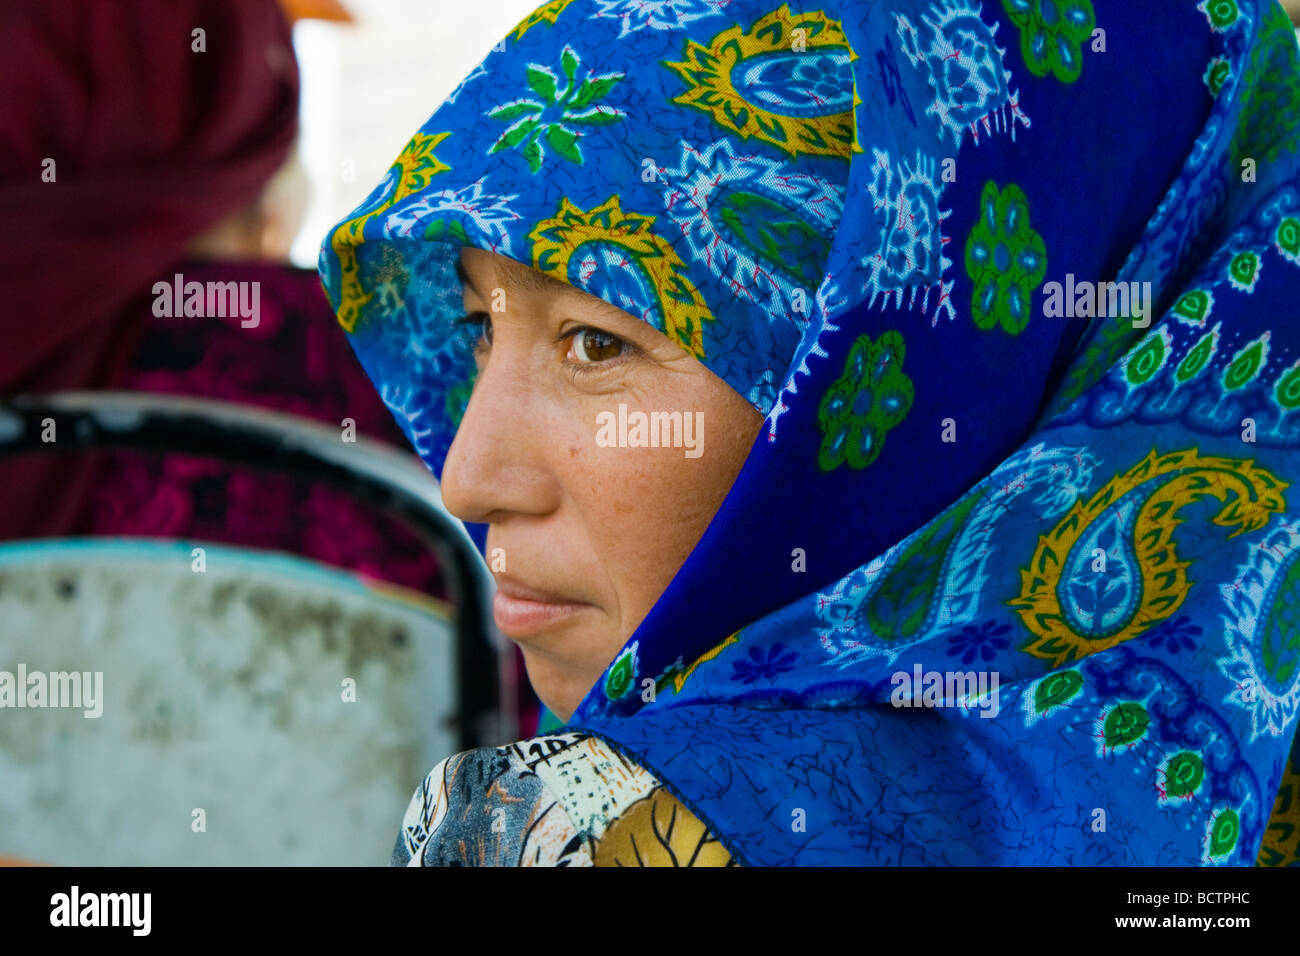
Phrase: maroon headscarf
pixel 152 142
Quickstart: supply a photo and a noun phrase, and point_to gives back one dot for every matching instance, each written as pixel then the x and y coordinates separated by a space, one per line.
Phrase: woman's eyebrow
pixel 530 280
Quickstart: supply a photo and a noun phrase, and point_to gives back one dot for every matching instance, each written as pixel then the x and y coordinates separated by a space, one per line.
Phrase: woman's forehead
pixel 514 275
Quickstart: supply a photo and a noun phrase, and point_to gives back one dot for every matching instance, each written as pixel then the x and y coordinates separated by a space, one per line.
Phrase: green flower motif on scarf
pixel 1193 307
pixel 867 401
pixel 1124 725
pixel 1224 831
pixel 1288 239
pixel 1056 690
pixel 1221 13
pixel 1005 259
pixel 443 230
pixel 1287 390
pixel 1051 34
pixel 622 673
pixel 557 106
pixel 1148 358
pixel 1243 271
pixel 1183 774
pixel 1216 74
pixel 1246 364
pixel 1198 357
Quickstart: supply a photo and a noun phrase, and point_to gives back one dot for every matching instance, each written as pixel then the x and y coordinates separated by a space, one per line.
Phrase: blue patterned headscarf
pixel 1011 573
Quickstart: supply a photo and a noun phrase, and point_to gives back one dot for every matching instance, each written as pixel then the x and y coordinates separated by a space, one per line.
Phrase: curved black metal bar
pixel 372 473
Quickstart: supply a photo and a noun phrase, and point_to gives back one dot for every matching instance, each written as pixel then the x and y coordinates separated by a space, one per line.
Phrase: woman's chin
pixel 559 683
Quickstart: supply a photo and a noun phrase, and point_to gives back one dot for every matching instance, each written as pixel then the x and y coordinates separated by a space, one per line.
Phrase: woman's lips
pixel 522 611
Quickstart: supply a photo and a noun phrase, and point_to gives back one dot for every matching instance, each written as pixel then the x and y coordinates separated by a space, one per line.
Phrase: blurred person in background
pixel 139 141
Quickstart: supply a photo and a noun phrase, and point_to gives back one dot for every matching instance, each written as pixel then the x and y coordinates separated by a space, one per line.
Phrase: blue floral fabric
pixel 1011 574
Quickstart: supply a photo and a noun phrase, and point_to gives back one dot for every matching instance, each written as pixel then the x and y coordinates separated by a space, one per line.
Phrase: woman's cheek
pixel 646 507
pixel 663 508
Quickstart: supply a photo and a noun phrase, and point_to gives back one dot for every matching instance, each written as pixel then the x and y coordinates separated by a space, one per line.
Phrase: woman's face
pixel 587 525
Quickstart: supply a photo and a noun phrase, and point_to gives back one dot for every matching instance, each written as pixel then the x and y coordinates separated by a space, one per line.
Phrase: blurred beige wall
pixel 368 86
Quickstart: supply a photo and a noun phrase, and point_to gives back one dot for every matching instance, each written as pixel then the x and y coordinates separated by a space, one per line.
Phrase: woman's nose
pixel 497 464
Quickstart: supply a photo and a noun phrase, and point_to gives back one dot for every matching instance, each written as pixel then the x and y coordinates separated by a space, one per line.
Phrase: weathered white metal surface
pixel 222 692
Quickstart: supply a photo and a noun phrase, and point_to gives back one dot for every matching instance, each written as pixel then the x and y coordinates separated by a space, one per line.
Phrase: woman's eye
pixel 484 323
pixel 593 345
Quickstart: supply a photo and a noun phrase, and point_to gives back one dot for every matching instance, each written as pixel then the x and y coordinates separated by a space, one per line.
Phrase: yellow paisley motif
pixel 707 71
pixel 1251 496
pixel 415 166
pixel 679 680
pixel 547 13
pixel 658 830
pixel 857 101
pixel 555 241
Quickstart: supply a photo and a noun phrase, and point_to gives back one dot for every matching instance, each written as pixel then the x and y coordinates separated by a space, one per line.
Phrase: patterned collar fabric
pixel 1010 574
